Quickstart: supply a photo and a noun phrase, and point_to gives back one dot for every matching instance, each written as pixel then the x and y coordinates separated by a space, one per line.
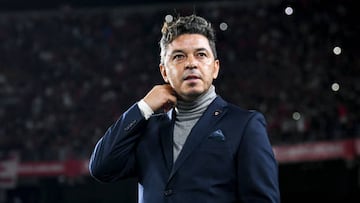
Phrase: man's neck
pixel 195 108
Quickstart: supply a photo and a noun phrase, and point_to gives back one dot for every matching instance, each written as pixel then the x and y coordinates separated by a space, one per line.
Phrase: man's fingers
pixel 161 96
pixel 171 100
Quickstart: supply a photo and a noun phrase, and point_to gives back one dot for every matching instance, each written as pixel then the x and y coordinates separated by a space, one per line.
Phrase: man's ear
pixel 216 68
pixel 163 73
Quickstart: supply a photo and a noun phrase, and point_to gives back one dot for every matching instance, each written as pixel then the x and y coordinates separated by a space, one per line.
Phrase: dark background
pixel 276 64
pixel 43 4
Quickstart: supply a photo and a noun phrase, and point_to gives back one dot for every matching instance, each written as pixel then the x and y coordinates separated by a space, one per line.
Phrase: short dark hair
pixel 192 24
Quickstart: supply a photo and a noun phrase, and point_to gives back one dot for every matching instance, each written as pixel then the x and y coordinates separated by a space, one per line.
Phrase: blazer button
pixel 168 192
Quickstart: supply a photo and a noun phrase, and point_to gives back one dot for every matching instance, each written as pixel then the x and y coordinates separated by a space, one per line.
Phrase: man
pixel 202 149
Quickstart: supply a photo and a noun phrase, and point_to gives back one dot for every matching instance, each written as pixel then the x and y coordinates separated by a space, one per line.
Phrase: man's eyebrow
pixel 201 49
pixel 182 51
pixel 176 51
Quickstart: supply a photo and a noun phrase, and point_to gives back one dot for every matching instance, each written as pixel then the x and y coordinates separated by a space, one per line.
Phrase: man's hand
pixel 161 97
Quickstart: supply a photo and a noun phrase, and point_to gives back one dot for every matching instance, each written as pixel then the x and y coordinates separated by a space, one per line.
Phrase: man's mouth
pixel 192 77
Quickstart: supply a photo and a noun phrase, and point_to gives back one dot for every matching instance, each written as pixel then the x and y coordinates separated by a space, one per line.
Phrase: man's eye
pixel 202 54
pixel 178 57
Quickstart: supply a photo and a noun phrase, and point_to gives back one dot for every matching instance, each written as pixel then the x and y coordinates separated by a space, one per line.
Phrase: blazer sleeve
pixel 113 157
pixel 257 166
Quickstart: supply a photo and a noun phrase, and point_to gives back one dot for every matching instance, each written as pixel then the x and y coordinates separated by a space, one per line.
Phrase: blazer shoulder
pixel 242 111
pixel 244 114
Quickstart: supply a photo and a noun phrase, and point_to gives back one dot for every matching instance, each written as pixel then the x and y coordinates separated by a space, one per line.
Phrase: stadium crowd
pixel 66 75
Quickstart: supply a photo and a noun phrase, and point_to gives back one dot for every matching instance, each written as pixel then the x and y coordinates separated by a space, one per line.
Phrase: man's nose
pixel 191 62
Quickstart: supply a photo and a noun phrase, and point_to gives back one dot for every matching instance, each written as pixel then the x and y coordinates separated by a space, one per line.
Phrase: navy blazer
pixel 227 157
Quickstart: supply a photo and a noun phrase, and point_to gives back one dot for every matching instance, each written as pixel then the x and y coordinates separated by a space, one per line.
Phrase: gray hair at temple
pixel 192 24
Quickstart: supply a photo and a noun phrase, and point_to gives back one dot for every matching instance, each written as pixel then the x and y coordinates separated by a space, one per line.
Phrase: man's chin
pixel 191 95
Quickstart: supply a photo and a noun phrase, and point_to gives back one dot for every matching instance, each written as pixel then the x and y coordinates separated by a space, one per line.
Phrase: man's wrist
pixel 145 109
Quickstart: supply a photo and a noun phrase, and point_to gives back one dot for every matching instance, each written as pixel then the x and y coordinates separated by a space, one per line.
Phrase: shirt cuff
pixel 145 109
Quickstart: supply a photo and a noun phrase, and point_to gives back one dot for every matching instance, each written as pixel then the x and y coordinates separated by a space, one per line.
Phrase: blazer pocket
pixel 217 135
pixel 215 141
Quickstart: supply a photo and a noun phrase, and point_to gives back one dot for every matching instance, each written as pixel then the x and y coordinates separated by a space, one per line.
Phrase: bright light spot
pixel 169 18
pixel 335 87
pixel 296 116
pixel 337 50
pixel 223 26
pixel 289 11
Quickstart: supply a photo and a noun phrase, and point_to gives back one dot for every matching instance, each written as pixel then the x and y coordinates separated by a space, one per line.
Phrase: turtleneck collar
pixel 189 110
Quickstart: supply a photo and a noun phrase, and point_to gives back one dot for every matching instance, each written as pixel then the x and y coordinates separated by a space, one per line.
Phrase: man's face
pixel 189 66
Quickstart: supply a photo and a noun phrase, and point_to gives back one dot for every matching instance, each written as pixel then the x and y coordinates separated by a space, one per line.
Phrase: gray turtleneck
pixel 188 113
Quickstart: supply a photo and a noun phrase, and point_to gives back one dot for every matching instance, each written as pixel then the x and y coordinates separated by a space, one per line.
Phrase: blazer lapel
pixel 201 129
pixel 166 138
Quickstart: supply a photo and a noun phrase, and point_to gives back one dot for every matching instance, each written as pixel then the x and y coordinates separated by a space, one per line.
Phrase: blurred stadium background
pixel 69 68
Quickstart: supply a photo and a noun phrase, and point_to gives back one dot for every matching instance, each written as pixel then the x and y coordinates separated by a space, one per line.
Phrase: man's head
pixel 188 56
pixel 186 25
